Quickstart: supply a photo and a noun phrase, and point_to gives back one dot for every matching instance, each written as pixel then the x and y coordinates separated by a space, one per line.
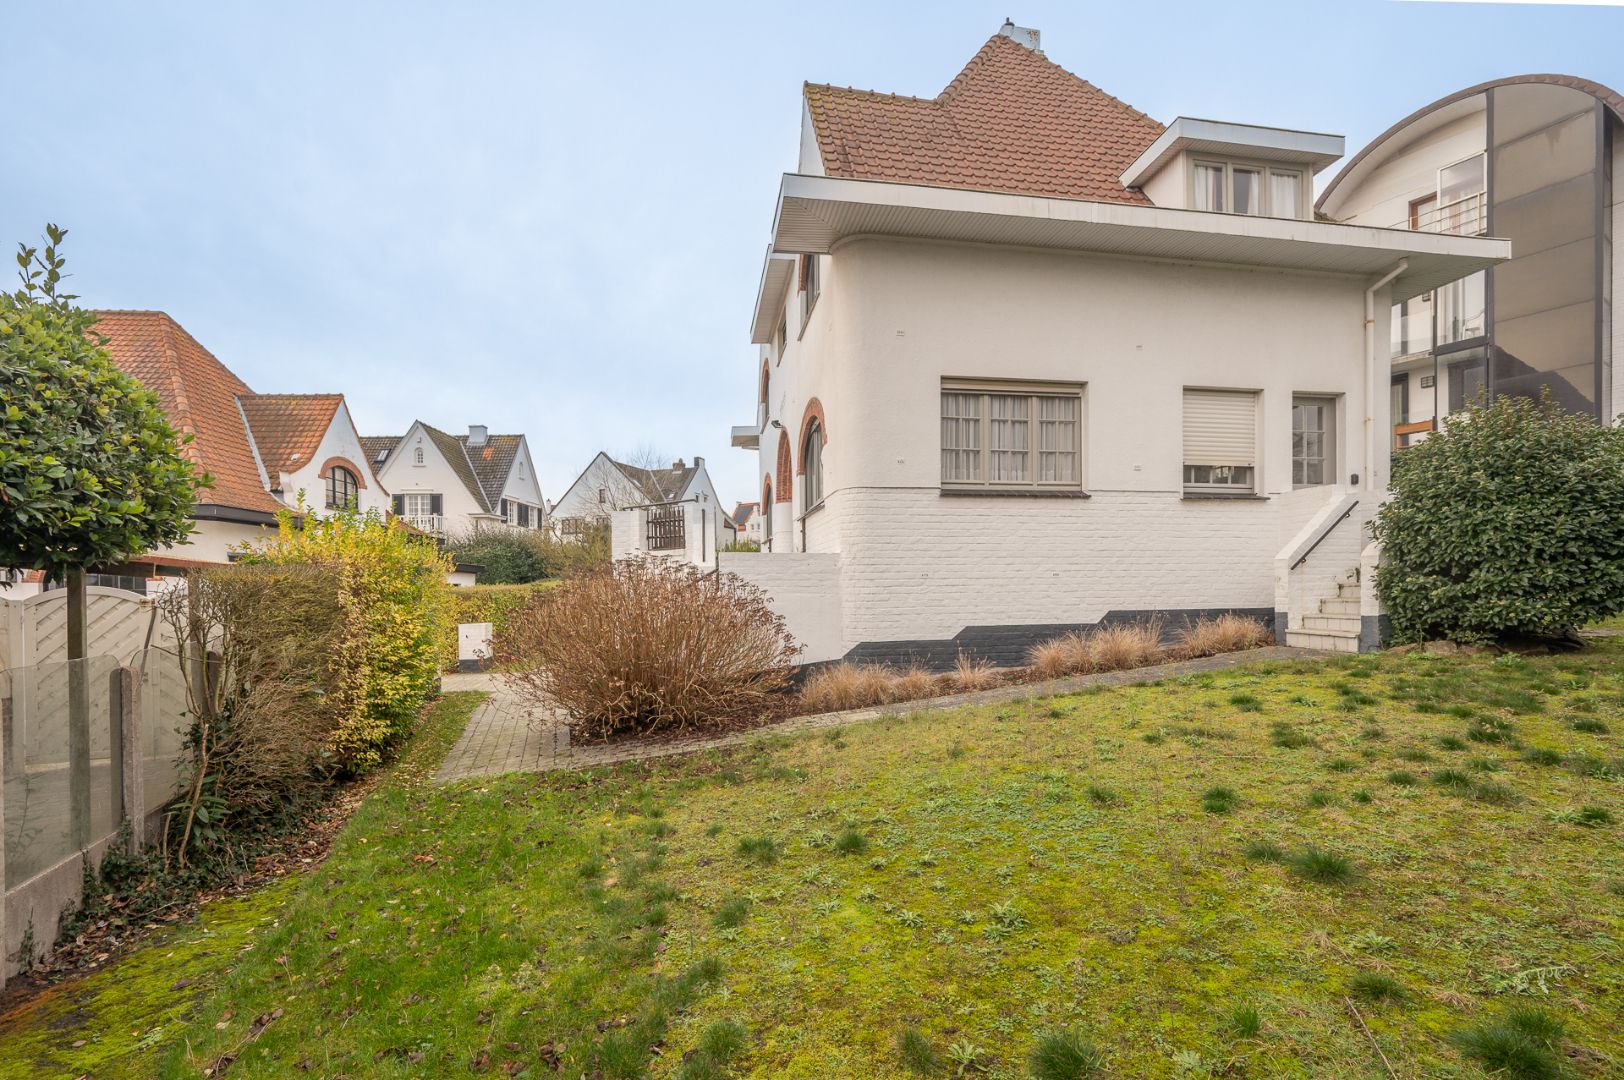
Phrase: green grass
pixel 1053 901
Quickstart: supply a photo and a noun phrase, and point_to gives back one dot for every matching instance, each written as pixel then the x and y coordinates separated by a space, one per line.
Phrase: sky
pixel 551 219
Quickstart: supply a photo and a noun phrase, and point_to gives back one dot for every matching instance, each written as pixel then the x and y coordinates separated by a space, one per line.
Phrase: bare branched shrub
pixel 1226 633
pixel 1123 646
pixel 260 655
pixel 970 673
pixel 848 686
pixel 648 645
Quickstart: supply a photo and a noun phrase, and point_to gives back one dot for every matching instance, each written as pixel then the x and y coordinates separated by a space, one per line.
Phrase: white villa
pixel 1033 361
pixel 450 485
pixel 677 508
pixel 1531 158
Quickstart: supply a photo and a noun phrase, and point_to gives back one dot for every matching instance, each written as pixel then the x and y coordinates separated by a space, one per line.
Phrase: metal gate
pixel 665 528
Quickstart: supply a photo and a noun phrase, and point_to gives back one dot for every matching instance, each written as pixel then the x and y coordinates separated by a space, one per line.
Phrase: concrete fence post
pixel 128 775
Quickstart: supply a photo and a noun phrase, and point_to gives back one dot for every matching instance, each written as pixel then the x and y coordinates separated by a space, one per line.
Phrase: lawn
pixel 1287 870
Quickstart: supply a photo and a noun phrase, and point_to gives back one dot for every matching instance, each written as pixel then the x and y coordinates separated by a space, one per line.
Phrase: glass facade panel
pixel 1546 147
pixel 1248 191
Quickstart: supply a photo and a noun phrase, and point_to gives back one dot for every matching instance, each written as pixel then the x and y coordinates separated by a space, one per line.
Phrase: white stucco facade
pixel 340 445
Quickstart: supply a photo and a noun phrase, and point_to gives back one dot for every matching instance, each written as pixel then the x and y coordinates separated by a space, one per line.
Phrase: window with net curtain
pixel 997 436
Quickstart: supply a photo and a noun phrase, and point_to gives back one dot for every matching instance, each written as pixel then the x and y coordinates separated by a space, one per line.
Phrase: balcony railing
pixel 1463 217
pixel 1404 435
pixel 434 524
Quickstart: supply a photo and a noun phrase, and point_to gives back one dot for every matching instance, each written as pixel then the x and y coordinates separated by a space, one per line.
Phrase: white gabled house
pixel 449 485
pixel 680 501
pixel 1031 361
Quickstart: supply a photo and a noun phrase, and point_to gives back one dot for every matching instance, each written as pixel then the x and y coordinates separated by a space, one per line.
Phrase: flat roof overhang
pixel 746 437
pixel 1311 149
pixel 777 272
pixel 816 213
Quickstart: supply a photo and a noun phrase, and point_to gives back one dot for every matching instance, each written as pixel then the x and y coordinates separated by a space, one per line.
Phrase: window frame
pixel 1330 460
pixel 1266 173
pixel 352 482
pixel 427 504
pixel 812 476
pixel 1033 391
pixel 811 289
pixel 1210 489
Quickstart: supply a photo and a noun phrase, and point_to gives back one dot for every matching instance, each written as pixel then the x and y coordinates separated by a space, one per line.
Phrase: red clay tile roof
pixel 199 394
pixel 1012 120
pixel 491 463
pixel 287 428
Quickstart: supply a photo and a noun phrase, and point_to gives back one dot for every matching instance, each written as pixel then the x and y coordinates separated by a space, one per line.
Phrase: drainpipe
pixel 1370 371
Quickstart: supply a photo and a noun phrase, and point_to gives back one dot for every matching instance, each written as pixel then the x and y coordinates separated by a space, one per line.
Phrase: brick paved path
pixel 507 734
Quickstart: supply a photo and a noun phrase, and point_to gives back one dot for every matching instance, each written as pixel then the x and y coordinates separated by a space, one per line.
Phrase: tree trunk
pixel 78 714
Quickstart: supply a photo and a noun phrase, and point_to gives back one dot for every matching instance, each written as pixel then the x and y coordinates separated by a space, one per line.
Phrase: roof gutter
pixel 1370 370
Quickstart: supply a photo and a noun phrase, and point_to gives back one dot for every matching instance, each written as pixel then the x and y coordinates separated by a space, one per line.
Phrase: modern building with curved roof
pixel 1532 159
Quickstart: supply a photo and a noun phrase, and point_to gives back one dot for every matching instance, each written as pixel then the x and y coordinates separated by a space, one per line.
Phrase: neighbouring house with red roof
pixel 1033 361
pixel 265 452
pixel 748 521
pixel 449 485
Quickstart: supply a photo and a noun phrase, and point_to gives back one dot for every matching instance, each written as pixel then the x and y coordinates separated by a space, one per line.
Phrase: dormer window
pixel 1236 187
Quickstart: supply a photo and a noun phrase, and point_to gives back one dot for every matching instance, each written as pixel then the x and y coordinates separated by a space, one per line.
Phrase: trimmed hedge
pixel 486 603
pixel 1508 523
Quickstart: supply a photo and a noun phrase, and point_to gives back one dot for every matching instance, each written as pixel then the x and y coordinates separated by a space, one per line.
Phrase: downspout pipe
pixel 1371 369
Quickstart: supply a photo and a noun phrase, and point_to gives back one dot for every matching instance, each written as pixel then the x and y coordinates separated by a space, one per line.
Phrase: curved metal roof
pixel 1606 95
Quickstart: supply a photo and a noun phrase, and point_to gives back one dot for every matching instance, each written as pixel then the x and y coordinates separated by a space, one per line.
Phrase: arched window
pixel 342 488
pixel 767 514
pixel 417 456
pixel 812 463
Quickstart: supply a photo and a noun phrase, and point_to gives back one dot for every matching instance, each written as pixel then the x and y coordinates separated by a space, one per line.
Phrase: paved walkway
pixel 508 734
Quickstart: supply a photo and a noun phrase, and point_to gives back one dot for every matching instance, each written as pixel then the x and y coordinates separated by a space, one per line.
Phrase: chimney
pixel 477 434
pixel 1022 35
pixel 678 465
pixel 699 462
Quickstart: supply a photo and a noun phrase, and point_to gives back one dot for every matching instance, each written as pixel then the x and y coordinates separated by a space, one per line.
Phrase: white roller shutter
pixel 1220 427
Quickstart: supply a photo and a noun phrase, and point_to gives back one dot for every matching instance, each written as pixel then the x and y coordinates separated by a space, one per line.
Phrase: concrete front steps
pixel 1335 626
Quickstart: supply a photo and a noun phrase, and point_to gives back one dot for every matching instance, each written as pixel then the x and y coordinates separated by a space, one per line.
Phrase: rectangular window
pixel 1285 194
pixel 524 516
pixel 1008 435
pixel 1209 188
pixel 1220 441
pixel 1242 188
pixel 1313 441
pixel 809 287
pixel 1248 186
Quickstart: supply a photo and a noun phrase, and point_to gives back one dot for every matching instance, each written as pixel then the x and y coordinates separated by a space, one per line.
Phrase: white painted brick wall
pixel 921 565
pixel 804 589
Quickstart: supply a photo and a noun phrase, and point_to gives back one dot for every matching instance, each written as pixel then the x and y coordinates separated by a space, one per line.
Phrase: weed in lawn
pixel 718 1044
pixel 1593 817
pixel 1373 942
pixel 1376 987
pixel 917 1053
pixel 1453 781
pixel 1246 702
pixel 1340 765
pixel 1361 796
pixel 1541 755
pixel 1065 1055
pixel 1263 851
pixel 1244 1021
pixel 1402 778
pixel 1287 737
pixel 1318 865
pixel 1590 726
pixel 1483 764
pixel 1154 738
pixel 1522 1045
pixel 1412 753
pixel 851 842
pixel 1370 732
pixel 1219 800
pixel 731 914
pixel 762 850
pixel 1320 798
pixel 1101 795
pixel 965 1056
pixel 1492 792
pixel 1488 729
pixel 1451 742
